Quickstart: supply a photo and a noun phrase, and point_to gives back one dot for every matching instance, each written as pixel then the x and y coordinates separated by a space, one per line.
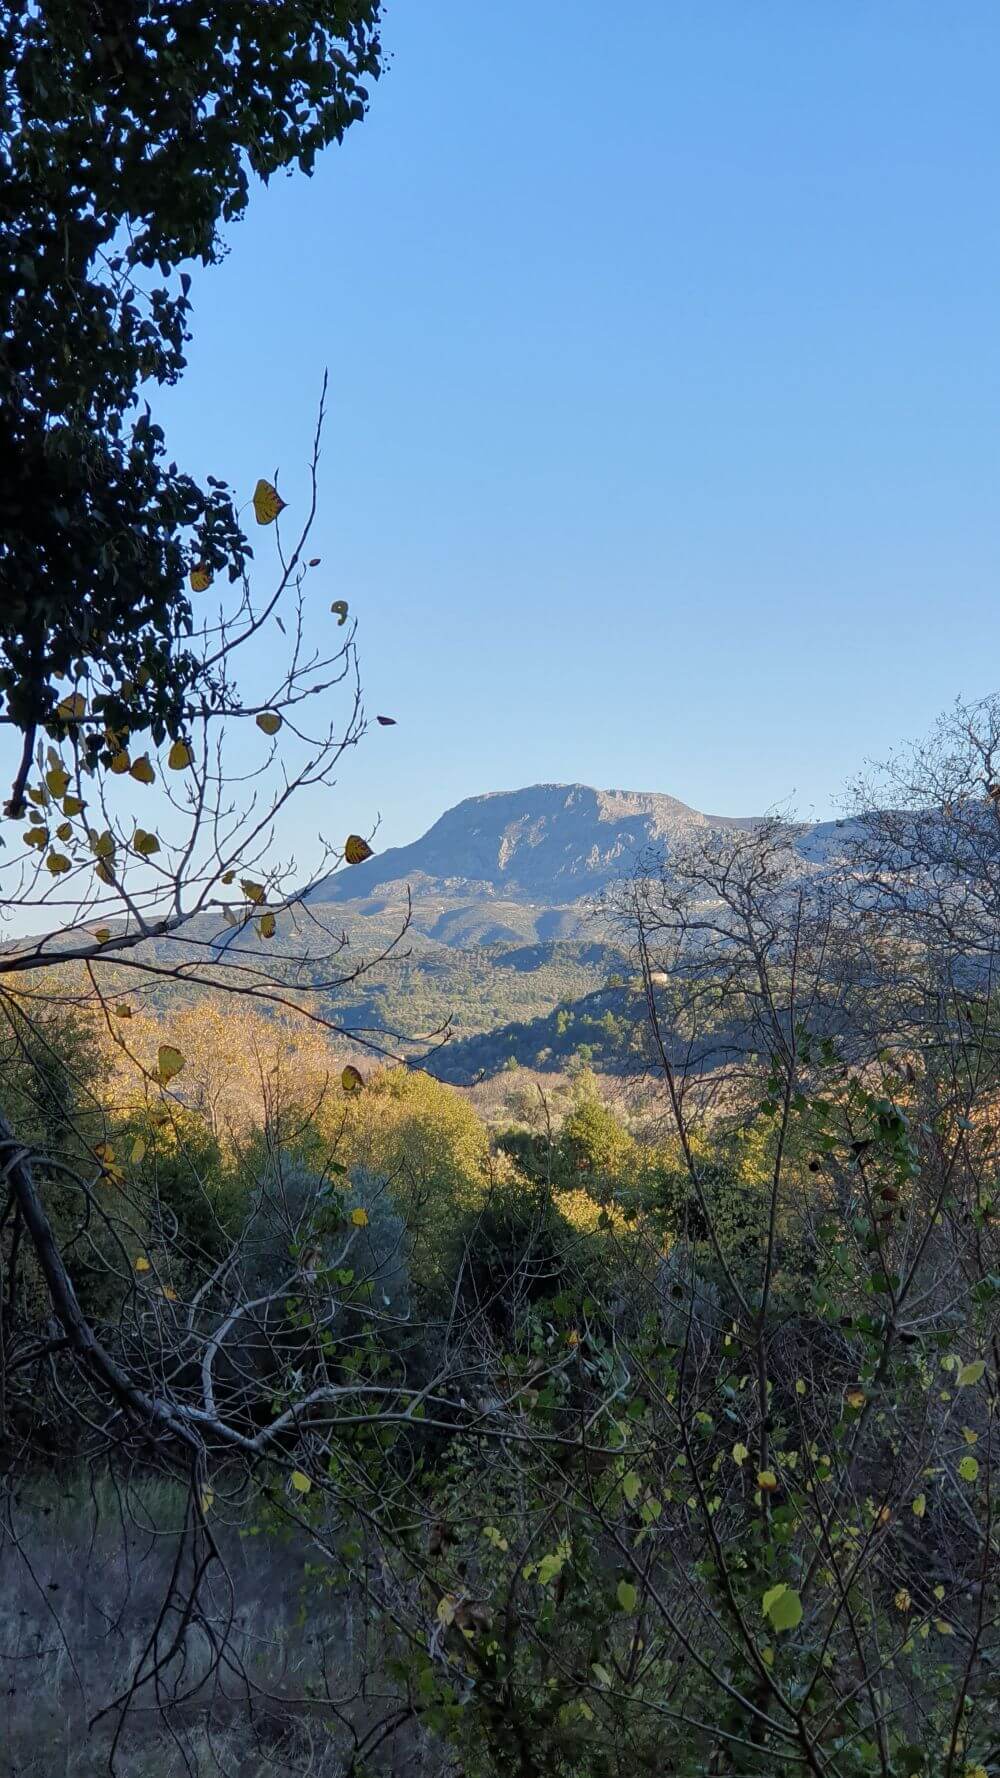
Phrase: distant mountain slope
pixel 477 990
pixel 502 942
pixel 517 863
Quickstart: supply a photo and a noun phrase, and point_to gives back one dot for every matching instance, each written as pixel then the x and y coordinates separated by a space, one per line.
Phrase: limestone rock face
pixel 550 847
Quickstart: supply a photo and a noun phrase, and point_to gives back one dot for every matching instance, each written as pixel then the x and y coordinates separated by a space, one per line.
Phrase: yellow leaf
pixel 572 1338
pixel 102 844
pixel 103 873
pixel 180 755
pixel 72 805
pixel 38 837
pixel 142 1263
pixel 120 762
pixel 855 1398
pixel 228 876
pixel 64 831
pixel 138 1151
pixel 57 863
pixel 200 579
pixel 145 843
pixel 740 1452
pixel 767 1481
pixel 142 771
pixel 72 708
pixel 207 1498
pixel 266 926
pixel 169 1294
pixel 267 502
pixel 339 609
pixel 169 1062
pixel 356 850
pixel 300 1482
pixel 446 1610
pixel 269 721
pixel 359 1218
pixel 902 1601
pixel 102 934
pixel 57 780
pixel 253 891
pixel 970 1373
pixel 943 1628
pixel 124 1011
pixel 352 1080
pixel 920 1506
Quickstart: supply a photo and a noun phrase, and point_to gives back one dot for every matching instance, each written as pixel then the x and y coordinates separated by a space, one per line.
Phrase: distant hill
pixel 503 938
pixel 503 942
pixel 517 864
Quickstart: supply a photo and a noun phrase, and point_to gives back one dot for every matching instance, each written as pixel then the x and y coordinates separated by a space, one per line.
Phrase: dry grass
pixel 84 1571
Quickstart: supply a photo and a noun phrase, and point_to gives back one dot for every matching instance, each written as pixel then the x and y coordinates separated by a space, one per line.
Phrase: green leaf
pixel 549 1567
pixel 627 1595
pixel 783 1607
pixel 630 1487
pixel 971 1373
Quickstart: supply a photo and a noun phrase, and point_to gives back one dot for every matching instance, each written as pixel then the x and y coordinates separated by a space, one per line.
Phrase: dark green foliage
pixel 51 1076
pixel 194 1200
pixel 498 999
pixel 596 1027
pixel 532 1152
pixel 512 1254
pixel 129 134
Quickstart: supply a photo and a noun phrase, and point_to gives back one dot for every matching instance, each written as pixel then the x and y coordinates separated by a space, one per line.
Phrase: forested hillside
pixel 474 1380
pixel 524 1303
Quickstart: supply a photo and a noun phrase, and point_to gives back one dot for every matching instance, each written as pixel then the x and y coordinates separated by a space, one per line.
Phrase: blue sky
pixel 664 362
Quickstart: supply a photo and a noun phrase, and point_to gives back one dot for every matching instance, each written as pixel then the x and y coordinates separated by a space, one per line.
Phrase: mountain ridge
pixel 552 843
pixel 512 865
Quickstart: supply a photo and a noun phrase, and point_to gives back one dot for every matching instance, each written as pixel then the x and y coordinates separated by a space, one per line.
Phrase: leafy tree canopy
pixel 129 134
